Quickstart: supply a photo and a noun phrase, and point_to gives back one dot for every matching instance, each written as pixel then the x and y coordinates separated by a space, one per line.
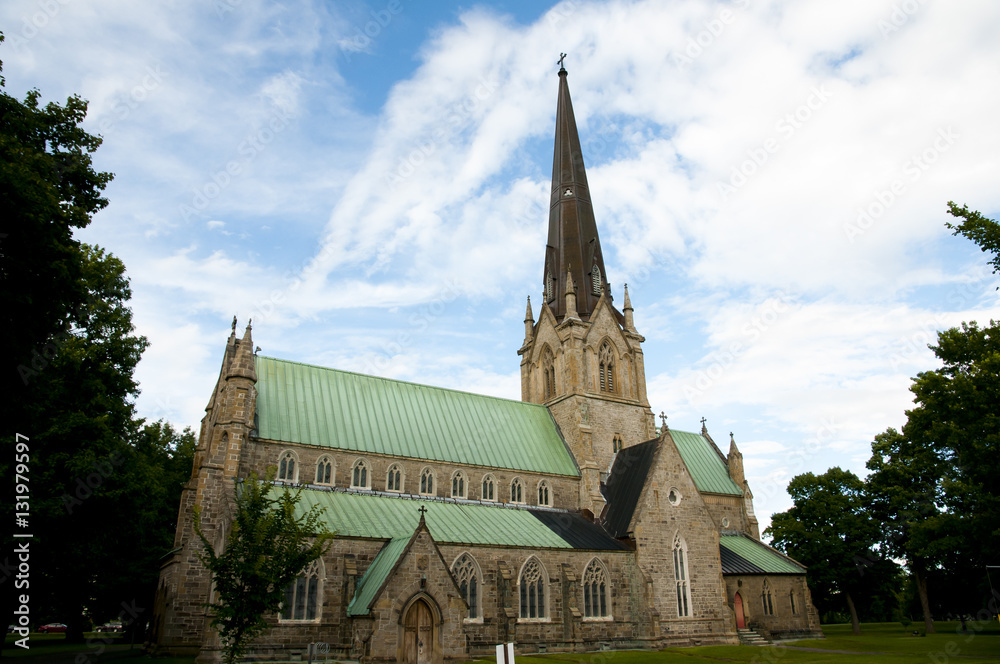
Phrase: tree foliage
pixel 983 231
pixel 934 484
pixel 48 189
pixel 828 529
pixel 266 548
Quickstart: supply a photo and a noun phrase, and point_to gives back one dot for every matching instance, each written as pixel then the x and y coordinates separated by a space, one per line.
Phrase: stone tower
pixel 182 620
pixel 583 357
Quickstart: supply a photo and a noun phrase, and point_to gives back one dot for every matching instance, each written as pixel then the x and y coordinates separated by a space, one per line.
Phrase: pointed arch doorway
pixel 741 622
pixel 418 634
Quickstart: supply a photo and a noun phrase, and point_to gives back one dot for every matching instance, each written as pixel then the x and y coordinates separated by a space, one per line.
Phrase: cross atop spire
pixel 562 67
pixel 573 242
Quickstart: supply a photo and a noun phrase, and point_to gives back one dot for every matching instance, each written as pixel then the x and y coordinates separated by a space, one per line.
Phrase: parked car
pixel 52 628
pixel 112 626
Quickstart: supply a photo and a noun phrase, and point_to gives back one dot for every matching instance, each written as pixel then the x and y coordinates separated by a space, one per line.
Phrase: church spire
pixel 573 242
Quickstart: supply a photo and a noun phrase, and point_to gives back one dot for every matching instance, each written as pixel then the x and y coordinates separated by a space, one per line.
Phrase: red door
pixel 738 607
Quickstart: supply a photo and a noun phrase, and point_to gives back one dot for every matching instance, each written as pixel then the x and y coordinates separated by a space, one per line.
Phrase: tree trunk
pixel 924 603
pixel 855 625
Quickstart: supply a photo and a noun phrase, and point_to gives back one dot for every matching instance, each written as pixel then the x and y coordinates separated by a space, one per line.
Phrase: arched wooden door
pixel 741 622
pixel 418 633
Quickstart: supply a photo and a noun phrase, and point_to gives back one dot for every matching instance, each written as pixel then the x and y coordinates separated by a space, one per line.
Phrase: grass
pixel 53 647
pixel 878 643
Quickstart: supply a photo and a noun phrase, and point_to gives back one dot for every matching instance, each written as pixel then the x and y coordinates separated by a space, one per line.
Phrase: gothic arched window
pixel 595 590
pixel 616 444
pixel 394 478
pixel 470 582
pixel 791 598
pixel 302 595
pixel 549 373
pixel 765 598
pixel 681 578
pixel 458 484
pixel 606 368
pixel 426 481
pixel 595 278
pixel 359 477
pixel 543 493
pixel 532 585
pixel 287 469
pixel 517 490
pixel 324 471
pixel 489 488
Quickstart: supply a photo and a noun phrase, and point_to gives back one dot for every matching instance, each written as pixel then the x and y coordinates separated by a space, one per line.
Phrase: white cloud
pixel 354 210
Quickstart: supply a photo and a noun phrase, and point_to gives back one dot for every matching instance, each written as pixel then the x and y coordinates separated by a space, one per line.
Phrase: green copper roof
pixel 300 403
pixel 759 554
pixel 375 576
pixel 706 467
pixel 383 517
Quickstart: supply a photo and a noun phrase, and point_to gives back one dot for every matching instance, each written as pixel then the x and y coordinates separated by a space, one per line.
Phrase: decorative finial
pixel 422 510
pixel 562 67
pixel 250 324
pixel 663 418
pixel 704 429
pixel 234 323
pixel 731 439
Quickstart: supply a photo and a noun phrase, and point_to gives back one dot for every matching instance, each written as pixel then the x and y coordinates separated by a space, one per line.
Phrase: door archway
pixel 741 622
pixel 418 634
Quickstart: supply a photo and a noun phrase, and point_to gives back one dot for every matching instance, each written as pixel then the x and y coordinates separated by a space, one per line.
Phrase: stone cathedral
pixel 566 521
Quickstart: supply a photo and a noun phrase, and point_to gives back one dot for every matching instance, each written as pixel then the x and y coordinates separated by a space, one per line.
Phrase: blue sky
pixel 368 182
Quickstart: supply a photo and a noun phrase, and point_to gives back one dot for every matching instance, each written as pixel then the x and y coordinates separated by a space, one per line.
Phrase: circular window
pixel 674 496
pixel 725 523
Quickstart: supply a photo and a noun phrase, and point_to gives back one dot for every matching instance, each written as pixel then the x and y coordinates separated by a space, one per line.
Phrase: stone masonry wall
pixel 784 622
pixel 657 523
pixel 563 490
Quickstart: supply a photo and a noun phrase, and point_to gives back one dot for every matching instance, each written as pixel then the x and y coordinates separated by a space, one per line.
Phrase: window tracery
pixel 532 586
pixel 606 368
pixel 681 578
pixel 359 476
pixel 489 488
pixel 517 490
pixel 458 484
pixel 595 591
pixel 426 481
pixel 469 580
pixel 287 467
pixel 543 493
pixel 324 471
pixel 394 478
pixel 302 595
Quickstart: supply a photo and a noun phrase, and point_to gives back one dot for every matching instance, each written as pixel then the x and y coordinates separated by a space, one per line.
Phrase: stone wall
pixel 659 521
pixel 784 622
pixel 563 490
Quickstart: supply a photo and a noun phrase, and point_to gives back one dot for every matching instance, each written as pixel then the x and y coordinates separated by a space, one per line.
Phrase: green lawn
pixel 53 647
pixel 878 643
pixel 893 644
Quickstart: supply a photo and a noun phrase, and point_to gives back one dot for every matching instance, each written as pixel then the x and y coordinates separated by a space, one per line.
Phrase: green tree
pixel 904 494
pixel 981 230
pixel 156 468
pixel 934 484
pixel 48 189
pixel 266 548
pixel 827 529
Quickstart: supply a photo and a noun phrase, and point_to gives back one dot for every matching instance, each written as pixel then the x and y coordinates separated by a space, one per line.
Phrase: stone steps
pixel 749 637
